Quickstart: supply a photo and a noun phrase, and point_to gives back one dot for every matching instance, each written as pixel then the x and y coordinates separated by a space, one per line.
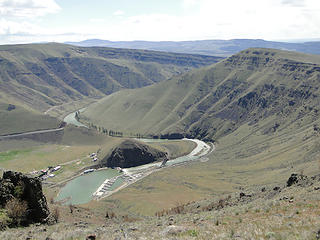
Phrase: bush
pixel 17 210
pixel 19 190
pixel 192 233
pixel 4 219
pixel 110 215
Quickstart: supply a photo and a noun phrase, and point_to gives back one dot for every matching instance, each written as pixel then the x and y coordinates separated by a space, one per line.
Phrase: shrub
pixel 110 215
pixel 4 219
pixel 17 210
pixel 192 233
pixel 19 190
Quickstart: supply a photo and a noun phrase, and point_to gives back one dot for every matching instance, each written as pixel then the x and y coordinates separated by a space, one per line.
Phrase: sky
pixel 25 21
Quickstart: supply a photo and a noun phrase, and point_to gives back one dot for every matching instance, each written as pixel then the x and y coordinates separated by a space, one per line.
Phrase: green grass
pixel 10 155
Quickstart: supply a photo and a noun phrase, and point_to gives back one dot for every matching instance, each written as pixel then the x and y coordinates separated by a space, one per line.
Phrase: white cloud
pixel 97 20
pixel 27 8
pixel 198 19
pixel 216 19
pixel 18 18
pixel 296 3
pixel 118 13
pixel 189 3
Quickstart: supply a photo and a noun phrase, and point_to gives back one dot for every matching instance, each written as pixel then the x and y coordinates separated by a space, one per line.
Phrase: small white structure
pixel 95 159
pixel 88 171
pixel 51 175
pixel 56 168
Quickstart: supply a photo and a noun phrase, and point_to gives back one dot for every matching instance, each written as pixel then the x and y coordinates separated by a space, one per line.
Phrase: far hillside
pixel 223 48
pixel 40 76
pixel 268 88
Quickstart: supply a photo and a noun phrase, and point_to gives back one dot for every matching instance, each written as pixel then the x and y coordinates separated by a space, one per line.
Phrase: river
pixel 71 119
pixel 83 188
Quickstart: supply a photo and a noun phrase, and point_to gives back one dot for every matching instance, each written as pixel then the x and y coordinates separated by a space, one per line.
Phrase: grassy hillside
pixel 16 119
pixel 43 75
pixel 261 107
pixel 267 88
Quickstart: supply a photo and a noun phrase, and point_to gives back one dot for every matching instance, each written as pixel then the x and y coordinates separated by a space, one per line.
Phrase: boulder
pixel 297 179
pixel 131 153
pixel 27 189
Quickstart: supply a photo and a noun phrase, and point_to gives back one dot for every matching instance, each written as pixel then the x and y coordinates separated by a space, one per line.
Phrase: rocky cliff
pixel 132 153
pixel 18 191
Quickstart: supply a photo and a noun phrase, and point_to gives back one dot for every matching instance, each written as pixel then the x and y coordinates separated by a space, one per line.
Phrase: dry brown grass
pixel 56 214
pixel 17 210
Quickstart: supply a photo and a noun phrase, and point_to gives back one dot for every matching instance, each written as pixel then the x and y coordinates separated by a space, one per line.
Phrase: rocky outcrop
pixel 299 179
pixel 132 153
pixel 15 185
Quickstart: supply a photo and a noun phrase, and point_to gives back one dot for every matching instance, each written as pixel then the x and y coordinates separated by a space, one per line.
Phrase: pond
pixel 80 189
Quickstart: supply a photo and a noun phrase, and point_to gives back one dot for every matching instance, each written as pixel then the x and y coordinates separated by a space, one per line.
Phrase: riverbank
pixel 135 174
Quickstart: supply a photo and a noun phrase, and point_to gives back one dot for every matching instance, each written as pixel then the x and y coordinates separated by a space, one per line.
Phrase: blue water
pixel 80 189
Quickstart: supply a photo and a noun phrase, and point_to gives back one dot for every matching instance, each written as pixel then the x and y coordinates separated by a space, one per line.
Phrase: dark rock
pixel 276 188
pixel 28 189
pixel 296 178
pixel 242 194
pixel 132 153
pixel 91 237
pixel 318 235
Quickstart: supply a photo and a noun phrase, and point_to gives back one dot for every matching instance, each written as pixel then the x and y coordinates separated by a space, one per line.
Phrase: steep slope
pixel 206 47
pixel 261 107
pixel 44 75
pixel 264 87
pixel 16 119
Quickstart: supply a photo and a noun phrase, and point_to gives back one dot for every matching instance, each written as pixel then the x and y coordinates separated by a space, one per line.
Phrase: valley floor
pixel 271 212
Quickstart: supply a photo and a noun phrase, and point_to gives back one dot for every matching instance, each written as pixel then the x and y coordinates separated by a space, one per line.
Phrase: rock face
pixel 24 188
pixel 132 153
pixel 298 179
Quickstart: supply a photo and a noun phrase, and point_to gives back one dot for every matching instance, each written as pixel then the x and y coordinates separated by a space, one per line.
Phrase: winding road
pixel 69 119
pixel 30 133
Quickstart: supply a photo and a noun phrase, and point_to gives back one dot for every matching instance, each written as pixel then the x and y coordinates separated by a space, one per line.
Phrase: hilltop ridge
pixel 223 48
